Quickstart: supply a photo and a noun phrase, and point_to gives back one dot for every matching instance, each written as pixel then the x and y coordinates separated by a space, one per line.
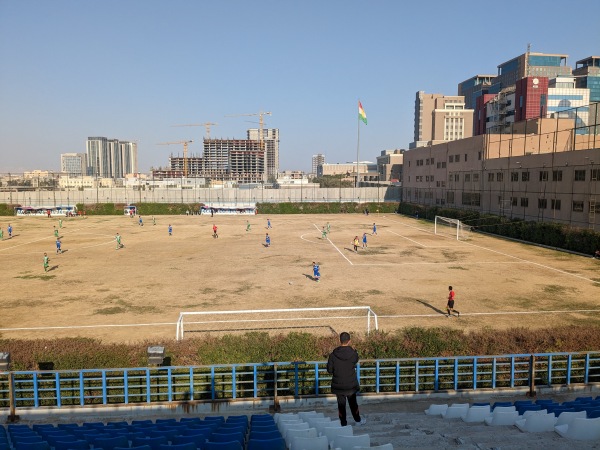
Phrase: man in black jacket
pixel 344 383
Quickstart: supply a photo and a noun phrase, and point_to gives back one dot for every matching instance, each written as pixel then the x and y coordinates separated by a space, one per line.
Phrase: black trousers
pixel 341 401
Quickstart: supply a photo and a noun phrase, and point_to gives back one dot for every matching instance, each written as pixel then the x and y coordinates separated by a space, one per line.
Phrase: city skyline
pixel 158 64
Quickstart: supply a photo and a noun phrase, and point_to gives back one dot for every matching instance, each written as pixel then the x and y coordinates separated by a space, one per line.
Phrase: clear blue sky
pixel 130 69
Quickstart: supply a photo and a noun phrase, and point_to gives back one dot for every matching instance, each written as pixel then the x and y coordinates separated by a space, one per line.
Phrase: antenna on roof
pixel 527 59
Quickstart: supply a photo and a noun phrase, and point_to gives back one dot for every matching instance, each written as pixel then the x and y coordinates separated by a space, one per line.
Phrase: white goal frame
pixel 299 315
pixel 462 230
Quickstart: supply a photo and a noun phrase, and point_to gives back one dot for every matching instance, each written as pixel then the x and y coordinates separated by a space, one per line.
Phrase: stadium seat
pixel 536 423
pixel 377 447
pixel 215 418
pixel 164 432
pixel 141 447
pixel 333 432
pixel 436 410
pixel 196 439
pixel 163 421
pixel 274 434
pixel 266 444
pixel 40 445
pixel 110 442
pixel 188 420
pixel 580 429
pixel 456 410
pixel 54 438
pixel 477 414
pixel 232 445
pixel 584 399
pixel 502 404
pixel 25 438
pixel 542 412
pixel 592 414
pixel 228 437
pixel 306 443
pixel 71 445
pixel 502 418
pixel 546 401
pixel 304 415
pixel 282 416
pixel 153 442
pixel 142 422
pixel 292 433
pixel 320 426
pixel 292 425
pixel 186 446
pixel 349 442
pixel 567 417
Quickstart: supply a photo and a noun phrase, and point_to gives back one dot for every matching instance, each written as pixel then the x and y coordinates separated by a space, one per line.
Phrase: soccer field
pixel 137 292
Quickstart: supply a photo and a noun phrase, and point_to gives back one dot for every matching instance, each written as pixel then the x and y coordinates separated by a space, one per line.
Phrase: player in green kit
pixel 328 228
pixel 59 223
pixel 324 233
pixel 118 239
pixel 55 232
pixel 1 234
pixel 247 225
pixel 46 262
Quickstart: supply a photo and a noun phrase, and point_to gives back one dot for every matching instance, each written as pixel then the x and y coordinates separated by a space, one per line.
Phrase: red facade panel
pixel 531 98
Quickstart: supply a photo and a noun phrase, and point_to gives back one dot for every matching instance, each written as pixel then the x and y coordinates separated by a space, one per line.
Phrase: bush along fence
pixel 544 233
pixel 230 382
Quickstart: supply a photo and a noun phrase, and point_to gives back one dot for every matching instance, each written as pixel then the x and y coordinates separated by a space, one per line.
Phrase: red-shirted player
pixel 450 305
pixel 215 234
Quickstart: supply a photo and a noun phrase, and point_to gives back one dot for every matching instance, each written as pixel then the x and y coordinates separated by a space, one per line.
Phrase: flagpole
pixel 357 146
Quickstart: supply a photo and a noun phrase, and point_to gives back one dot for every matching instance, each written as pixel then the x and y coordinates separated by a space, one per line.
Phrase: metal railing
pixel 232 382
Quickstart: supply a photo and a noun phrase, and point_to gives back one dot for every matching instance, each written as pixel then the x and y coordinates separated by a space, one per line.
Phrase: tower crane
pixel 261 123
pixel 206 125
pixel 185 148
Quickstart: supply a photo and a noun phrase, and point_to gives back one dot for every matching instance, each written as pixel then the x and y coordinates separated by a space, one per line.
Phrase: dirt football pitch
pixel 137 292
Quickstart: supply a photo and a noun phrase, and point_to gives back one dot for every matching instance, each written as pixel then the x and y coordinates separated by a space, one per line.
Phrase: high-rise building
pixel 587 72
pixel 440 118
pixel 270 139
pixel 110 158
pixel 317 160
pixel 238 160
pixel 73 164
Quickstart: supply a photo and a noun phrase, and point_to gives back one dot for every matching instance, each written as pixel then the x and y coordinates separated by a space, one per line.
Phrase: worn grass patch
pixel 374 292
pixel 111 310
pixel 457 268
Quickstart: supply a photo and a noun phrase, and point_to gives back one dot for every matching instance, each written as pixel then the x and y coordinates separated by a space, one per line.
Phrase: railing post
pixel 397 376
pixel 233 384
pixel 377 377
pixel 296 381
pixel 550 371
pixel 456 374
pixel 436 385
pixel 512 371
pixel 275 407
pixel 104 387
pixel 255 381
pixel 57 388
pixel 125 387
pixel 416 375
pixel 12 416
pixel 532 376
pixel 494 373
pixel 317 377
pixel 169 385
pixel 569 362
pixel 36 399
pixel 474 372
pixel 586 368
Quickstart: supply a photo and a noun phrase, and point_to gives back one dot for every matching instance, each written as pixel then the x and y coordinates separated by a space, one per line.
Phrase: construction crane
pixel 206 125
pixel 261 123
pixel 185 146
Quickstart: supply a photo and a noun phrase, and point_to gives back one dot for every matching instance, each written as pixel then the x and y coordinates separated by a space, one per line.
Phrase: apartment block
pixel 73 164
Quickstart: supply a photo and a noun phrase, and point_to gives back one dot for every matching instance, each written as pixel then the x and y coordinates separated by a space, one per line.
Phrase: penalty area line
pixel 508 313
pixel 74 327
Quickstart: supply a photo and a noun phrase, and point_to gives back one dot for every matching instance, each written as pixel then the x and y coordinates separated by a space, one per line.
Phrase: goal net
pixel 329 320
pixel 452 227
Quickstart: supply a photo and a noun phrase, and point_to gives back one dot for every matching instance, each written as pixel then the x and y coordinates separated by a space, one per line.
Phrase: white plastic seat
pixel 436 410
pixel 306 443
pixel 536 423
pixel 332 432
pixel 314 421
pixel 502 418
pixel 580 429
pixel 349 442
pixel 566 417
pixel 296 425
pixel 320 426
pixel 456 410
pixel 477 414
pixel 541 412
pixel 304 415
pixel 504 408
pixel 292 433
pixel 284 416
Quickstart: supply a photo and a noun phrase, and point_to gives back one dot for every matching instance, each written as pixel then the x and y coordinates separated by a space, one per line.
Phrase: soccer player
pixel 215 234
pixel 154 221
pixel 118 239
pixel 450 305
pixel 355 244
pixel 328 228
pixel 269 224
pixel 1 234
pixel 268 240
pixel 9 229
pixel 364 240
pixel 170 230
pixel 374 229
pixel 324 233
pixel 58 249
pixel 141 222
pixel 55 232
pixel 46 262
pixel 316 272
pixel 247 225
pixel 59 223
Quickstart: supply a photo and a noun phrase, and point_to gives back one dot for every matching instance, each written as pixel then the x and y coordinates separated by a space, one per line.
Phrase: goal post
pixel 451 227
pixel 265 319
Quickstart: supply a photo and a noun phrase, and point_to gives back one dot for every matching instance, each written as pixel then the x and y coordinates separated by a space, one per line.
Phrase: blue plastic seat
pixel 233 445
pixel 197 439
pixel 501 404
pixel 139 447
pixel 481 404
pixel 232 427
pixel 584 399
pixel 169 434
pixel 94 425
pixel 186 446
pixel 545 401
pixel 71 445
pixel 153 442
pixel 265 434
pixel 188 420
pixel 25 438
pixel 142 422
pixel 528 407
pixel 227 437
pixel 4 446
pixel 217 418
pixel 163 421
pixel 266 444
pixel 593 413
pixel 53 438
pixel 110 442
pixel 40 445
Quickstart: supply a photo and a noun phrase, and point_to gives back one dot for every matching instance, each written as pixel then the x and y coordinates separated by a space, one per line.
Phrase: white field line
pixel 563 272
pixel 450 263
pixel 408 239
pixel 334 246
pixel 74 327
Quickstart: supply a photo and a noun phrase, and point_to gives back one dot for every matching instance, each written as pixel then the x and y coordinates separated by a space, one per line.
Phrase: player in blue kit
pixel 268 240
pixel 9 229
pixel 364 240
pixel 58 249
pixel 170 230
pixel 316 272
pixel 374 229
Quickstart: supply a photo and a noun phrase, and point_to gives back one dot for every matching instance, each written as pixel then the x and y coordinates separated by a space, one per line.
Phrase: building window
pixel 444 165
pixel 524 176
pixel 513 201
pixel 432 161
pixel 479 156
pixel 542 203
pixel 431 178
pixel 580 176
pixel 456 177
pixel 450 197
pixel 475 177
pixel 465 157
pixel 514 176
pixel 524 202
pixel 577 206
pixel 499 176
pixel 592 208
pixel 438 165
pixel 427 162
pixel 467 177
pixel 557 175
pixel 595 174
pixel 543 175
pixel 451 158
pixel 456 158
pixel 555 204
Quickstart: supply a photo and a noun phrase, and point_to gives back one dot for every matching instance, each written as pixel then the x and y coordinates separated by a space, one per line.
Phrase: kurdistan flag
pixel 361 113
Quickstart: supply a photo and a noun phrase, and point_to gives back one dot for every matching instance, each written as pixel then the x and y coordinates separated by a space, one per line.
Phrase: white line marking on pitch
pixel 73 327
pixel 519 259
pixel 334 246
pixel 308 240
pixel 408 239
pixel 491 313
